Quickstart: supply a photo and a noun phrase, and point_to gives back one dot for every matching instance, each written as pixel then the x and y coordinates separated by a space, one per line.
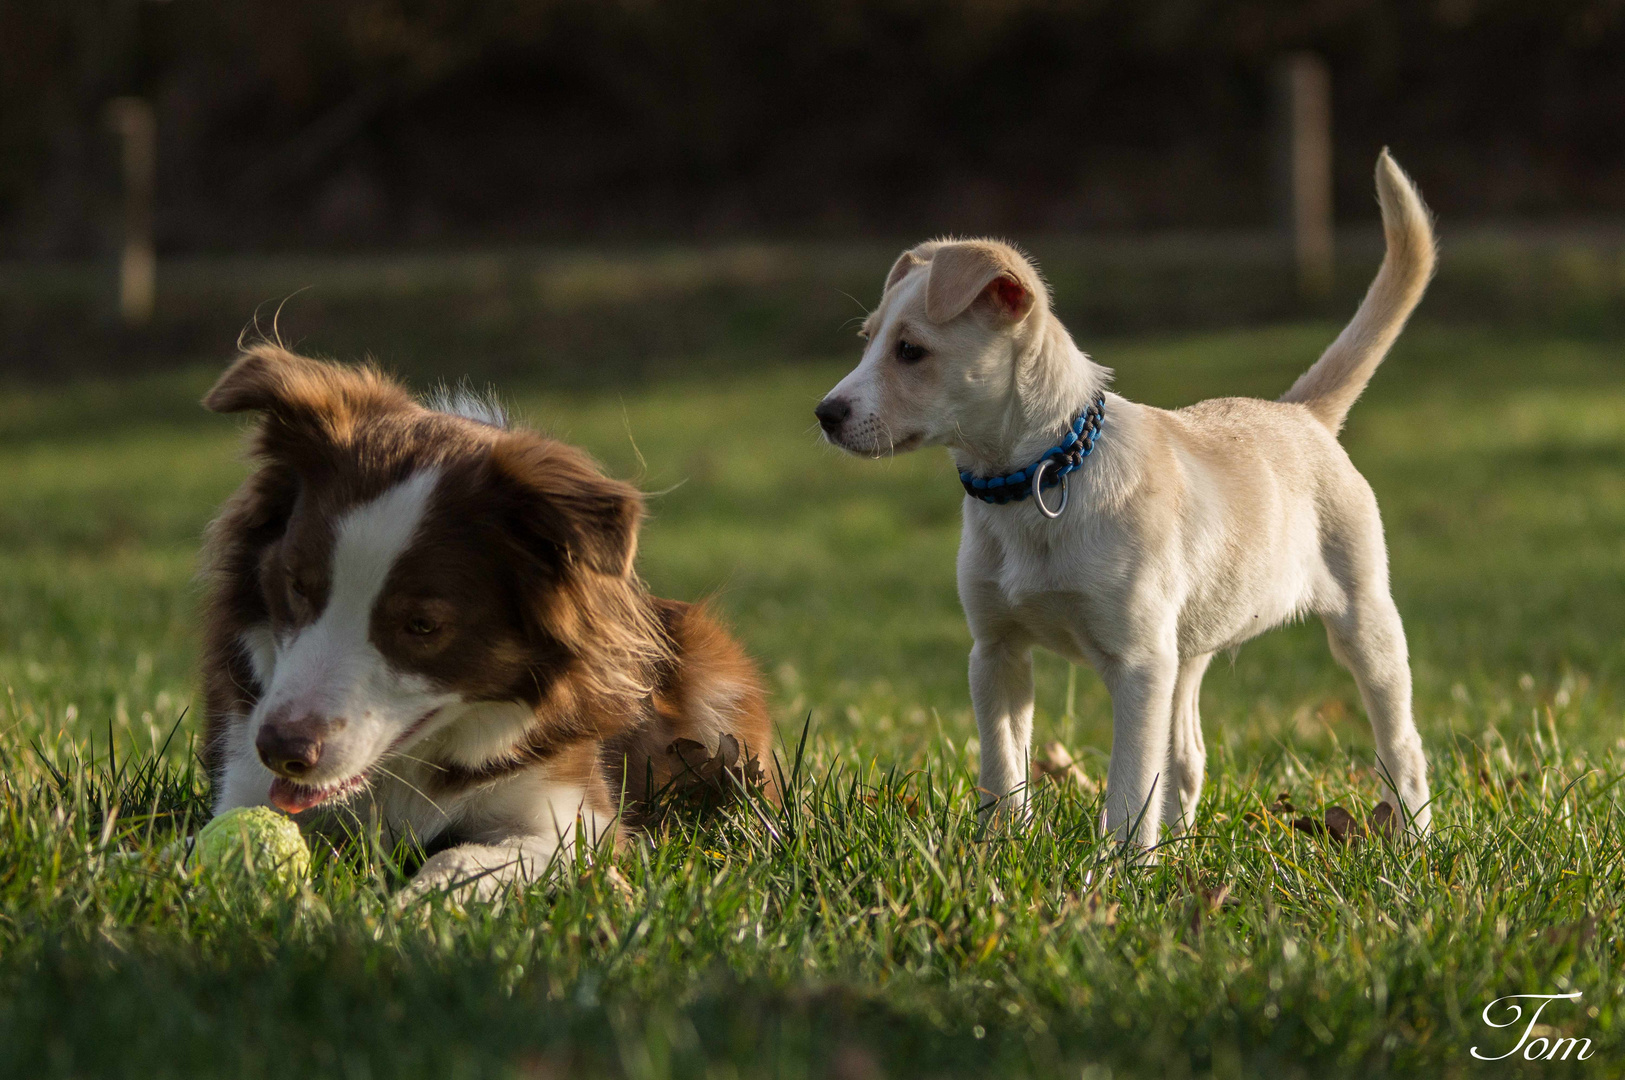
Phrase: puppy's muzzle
pixel 832 413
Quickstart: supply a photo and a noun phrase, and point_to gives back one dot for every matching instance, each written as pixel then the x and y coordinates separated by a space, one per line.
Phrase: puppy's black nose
pixel 832 413
pixel 291 750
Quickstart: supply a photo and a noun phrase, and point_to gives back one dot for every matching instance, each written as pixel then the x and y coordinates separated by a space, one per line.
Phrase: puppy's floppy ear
pixel 907 261
pixel 560 505
pixel 963 273
pixel 302 397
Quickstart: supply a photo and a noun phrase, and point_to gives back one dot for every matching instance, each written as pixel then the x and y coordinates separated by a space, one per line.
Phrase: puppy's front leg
pixel 1142 709
pixel 1001 688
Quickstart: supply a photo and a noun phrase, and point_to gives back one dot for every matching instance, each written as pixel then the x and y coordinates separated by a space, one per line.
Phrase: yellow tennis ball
pixel 253 842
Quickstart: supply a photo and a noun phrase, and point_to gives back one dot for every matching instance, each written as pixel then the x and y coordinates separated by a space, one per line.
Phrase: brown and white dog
pixel 429 620
pixel 1189 533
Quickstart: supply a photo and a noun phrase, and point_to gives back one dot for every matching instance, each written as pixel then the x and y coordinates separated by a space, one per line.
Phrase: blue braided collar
pixel 1068 453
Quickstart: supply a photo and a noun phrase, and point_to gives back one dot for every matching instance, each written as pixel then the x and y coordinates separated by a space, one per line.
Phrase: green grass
pixel 874 931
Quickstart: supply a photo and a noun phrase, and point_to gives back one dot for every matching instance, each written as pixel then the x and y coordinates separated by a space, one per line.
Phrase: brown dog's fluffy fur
pixel 627 693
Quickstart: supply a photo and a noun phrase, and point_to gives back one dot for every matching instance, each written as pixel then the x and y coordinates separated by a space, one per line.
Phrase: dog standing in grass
pixel 1138 540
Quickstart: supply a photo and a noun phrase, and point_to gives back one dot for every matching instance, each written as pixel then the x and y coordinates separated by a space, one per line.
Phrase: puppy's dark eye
pixel 908 352
pixel 421 626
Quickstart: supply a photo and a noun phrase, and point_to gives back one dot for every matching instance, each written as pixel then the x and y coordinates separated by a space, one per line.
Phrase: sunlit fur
pixel 429 621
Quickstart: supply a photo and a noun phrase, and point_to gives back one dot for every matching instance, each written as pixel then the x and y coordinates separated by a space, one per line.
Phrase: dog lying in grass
pixel 424 618
pixel 1134 539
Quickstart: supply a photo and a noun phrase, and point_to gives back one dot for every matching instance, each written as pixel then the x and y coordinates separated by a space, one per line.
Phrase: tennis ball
pixel 255 843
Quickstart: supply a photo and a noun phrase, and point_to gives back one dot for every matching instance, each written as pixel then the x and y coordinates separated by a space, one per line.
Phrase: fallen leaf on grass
pixel 1209 898
pixel 617 882
pixel 1210 902
pixel 713 768
pixel 1281 807
pixel 1100 910
pixel 1090 907
pixel 1385 820
pixel 1494 780
pixel 1344 828
pixel 1056 764
pixel 1337 823
pixel 1577 933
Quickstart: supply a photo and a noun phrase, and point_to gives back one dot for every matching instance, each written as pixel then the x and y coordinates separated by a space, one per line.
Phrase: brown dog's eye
pixel 421 627
pixel 301 596
pixel 908 352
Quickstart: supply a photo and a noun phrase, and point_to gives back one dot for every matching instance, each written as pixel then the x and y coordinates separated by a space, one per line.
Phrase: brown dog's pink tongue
pixel 291 798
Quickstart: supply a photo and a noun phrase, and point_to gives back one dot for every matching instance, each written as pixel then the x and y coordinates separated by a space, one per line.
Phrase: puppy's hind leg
pixel 1187 754
pixel 1001 689
pixel 1367 637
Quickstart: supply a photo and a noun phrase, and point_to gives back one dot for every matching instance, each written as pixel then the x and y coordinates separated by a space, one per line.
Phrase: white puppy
pixel 1184 533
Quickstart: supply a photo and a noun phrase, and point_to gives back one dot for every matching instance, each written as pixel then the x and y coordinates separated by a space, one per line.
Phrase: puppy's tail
pixel 1329 389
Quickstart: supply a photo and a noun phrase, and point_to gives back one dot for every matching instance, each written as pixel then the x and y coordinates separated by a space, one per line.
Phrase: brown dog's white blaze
pixel 334 701
pixel 442 615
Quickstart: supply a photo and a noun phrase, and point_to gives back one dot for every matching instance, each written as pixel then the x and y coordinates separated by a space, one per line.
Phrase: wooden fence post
pixel 1305 139
pixel 132 120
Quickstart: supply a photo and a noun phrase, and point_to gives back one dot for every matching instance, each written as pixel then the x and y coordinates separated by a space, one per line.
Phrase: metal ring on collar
pixel 1038 490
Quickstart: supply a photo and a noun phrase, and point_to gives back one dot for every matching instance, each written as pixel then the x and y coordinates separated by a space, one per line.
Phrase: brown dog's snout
pixel 832 413
pixel 292 748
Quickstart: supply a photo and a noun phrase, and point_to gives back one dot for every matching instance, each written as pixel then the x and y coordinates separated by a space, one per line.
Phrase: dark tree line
pixel 287 122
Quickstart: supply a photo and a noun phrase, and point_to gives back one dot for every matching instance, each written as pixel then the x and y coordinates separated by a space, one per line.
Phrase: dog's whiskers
pixel 861 307
pixel 398 778
pixel 420 761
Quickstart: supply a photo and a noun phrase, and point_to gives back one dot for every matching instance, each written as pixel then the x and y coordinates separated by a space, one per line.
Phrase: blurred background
pixel 654 224
pixel 595 187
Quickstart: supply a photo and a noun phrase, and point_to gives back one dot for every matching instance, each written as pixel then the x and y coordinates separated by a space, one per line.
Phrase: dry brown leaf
pixel 1208 902
pixel 713 768
pixel 1343 827
pixel 1099 909
pixel 1577 933
pixel 617 882
pixel 1056 764
pixel 1507 780
pixel 1281 807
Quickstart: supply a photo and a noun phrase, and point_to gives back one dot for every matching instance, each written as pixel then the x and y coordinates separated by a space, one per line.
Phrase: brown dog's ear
pixel 561 505
pixel 303 396
pixel 964 272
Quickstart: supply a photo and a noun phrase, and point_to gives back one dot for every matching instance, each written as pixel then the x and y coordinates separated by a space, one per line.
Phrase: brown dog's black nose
pixel 291 750
pixel 832 413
